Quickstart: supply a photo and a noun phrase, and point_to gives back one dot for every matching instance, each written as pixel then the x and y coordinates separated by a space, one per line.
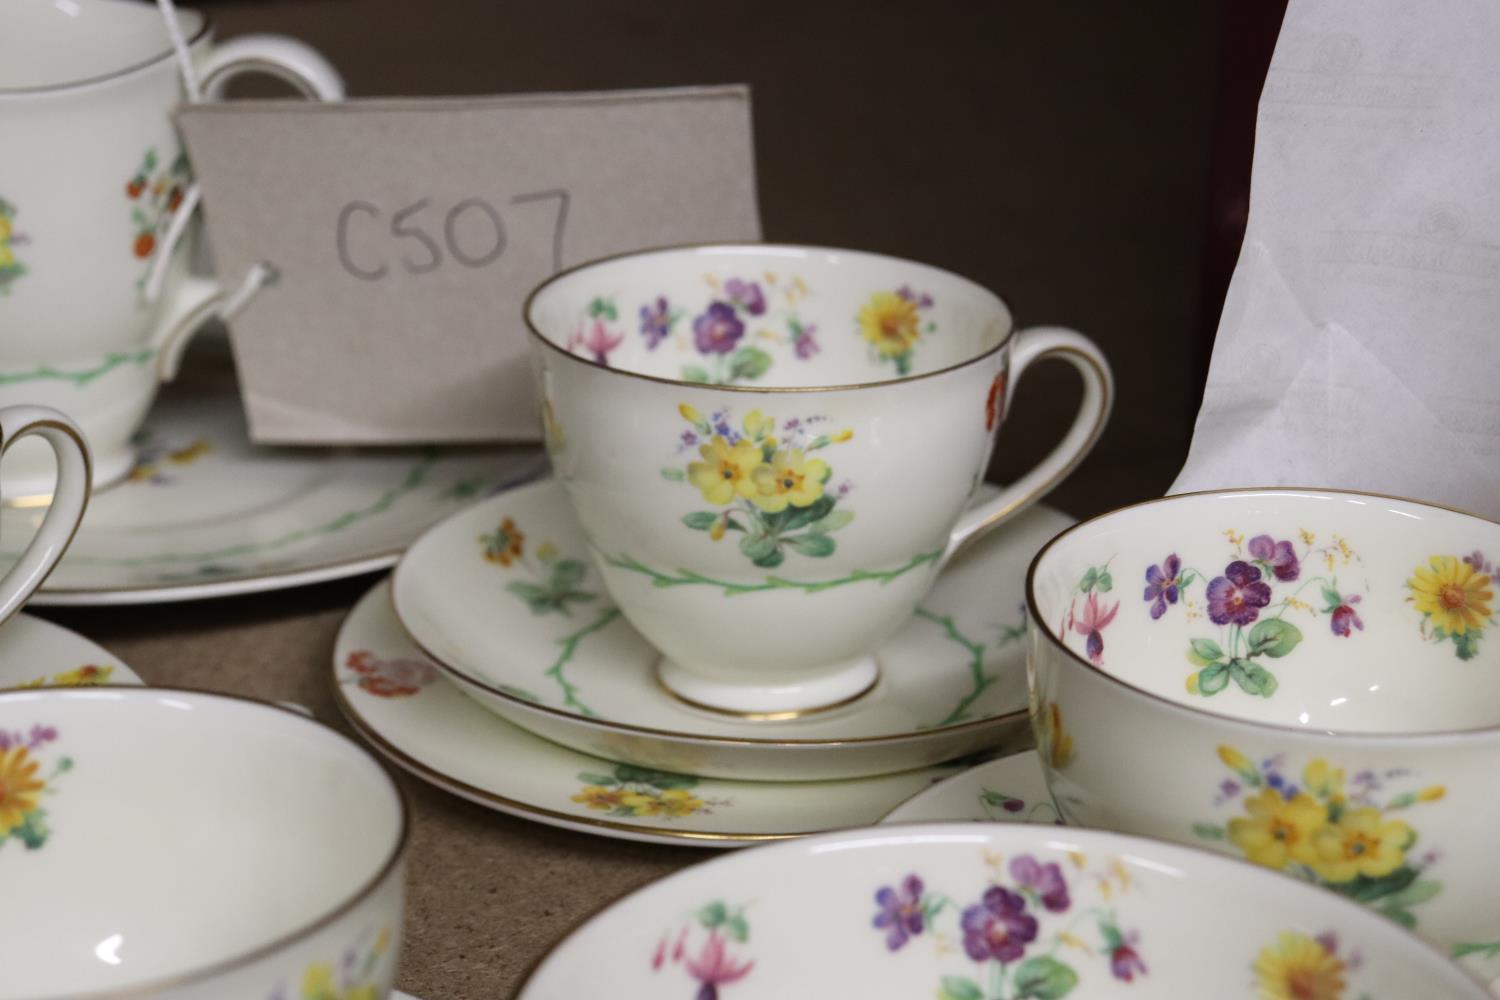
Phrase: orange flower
pixel 20 788
pixel 505 545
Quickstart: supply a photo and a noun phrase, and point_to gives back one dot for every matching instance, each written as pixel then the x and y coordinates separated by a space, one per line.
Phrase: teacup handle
pixel 198 299
pixel 1032 345
pixel 69 498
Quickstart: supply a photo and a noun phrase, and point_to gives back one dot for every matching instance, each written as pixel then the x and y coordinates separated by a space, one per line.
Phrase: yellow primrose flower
pixel 599 797
pixel 1363 842
pixel 679 802
pixel 1323 781
pixel 317 982
pixel 1452 593
pixel 1278 830
pixel 689 414
pixel 84 676
pixel 842 436
pixel 758 425
pixel 1431 793
pixel 20 788
pixel 1235 760
pixel 791 478
pixel 725 471
pixel 891 323
pixel 39 682
pixel 1297 967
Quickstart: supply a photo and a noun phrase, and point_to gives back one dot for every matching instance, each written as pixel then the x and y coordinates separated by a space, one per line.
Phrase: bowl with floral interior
pixel 1306 679
pixel 773 450
pixel 173 844
pixel 989 912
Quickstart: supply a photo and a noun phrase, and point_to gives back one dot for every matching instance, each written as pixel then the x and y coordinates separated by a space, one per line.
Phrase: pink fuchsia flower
pixel 1046 880
pixel 1237 597
pixel 998 926
pixel 1163 584
pixel 1277 555
pixel 715 967
pixel 1092 622
pixel 901 914
pixel 656 321
pixel 599 341
pixel 1344 617
pixel 718 329
pixel 746 295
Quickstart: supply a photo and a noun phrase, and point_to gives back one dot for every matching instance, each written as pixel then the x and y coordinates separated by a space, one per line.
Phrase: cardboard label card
pixel 406 234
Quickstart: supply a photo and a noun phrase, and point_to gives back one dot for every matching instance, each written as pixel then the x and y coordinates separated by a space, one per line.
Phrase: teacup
pixel 772 450
pixel 1307 679
pixel 163 843
pixel 70 453
pixel 94 179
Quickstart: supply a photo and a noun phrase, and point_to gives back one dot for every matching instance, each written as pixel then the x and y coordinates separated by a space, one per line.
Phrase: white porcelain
pixel 1349 743
pixel 205 513
pixel 163 843
pixel 1005 790
pixel 768 493
pixel 94 175
pixel 35 653
pixel 525 628
pixel 54 527
pixel 400 703
pixel 988 912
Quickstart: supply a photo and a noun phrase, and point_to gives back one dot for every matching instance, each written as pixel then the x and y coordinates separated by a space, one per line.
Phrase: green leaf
pixel 961 988
pixel 516 692
pixel 1367 890
pixel 527 591
pixel 1208 831
pixel 833 522
pixel 713 915
pixel 1204 651
pixel 590 778
pixel 1333 597
pixel 692 373
pixel 771 560
pixel 1213 678
pixel 800 517
pixel 1489 949
pixel 700 520
pixel 603 307
pixel 1044 978
pixel 33 829
pixel 1252 679
pixel 1105 582
pixel 758 547
pixel 749 363
pixel 1402 917
pixel 567 575
pixel 1467 644
pixel 1188 578
pixel 737 928
pixel 1274 638
pixel 1088 581
pixel 659 779
pixel 1414 894
pixel 674 475
pixel 812 544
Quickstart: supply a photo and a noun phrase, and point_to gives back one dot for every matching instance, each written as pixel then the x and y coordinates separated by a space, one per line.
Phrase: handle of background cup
pixel 69 498
pixel 1033 345
pixel 198 299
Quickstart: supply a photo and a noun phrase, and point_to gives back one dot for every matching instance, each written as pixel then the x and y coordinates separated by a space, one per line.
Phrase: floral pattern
pixel 153 457
pixel 638 791
pixel 398 678
pixel 11 267
pixel 1455 598
pixel 556 581
pixel 1250 610
pixel 356 976
pixel 1299 967
pixel 1342 834
pixel 88 675
pixel 156 192
pixel 1016 929
pixel 1054 742
pixel 893 323
pixel 769 488
pixel 1092 617
pixel 1001 806
pixel 710 961
pixel 22 785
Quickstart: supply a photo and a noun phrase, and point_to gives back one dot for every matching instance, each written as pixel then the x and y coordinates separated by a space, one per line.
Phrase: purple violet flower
pixel 41 734
pixel 998 926
pixel 900 913
pixel 746 295
pixel 1237 597
pixel 656 322
pixel 1162 583
pixel 718 329
pixel 1278 555
pixel 1125 962
pixel 1345 617
pixel 1046 880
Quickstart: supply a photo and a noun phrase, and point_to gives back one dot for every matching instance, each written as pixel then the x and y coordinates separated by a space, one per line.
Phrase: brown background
pixel 1088 161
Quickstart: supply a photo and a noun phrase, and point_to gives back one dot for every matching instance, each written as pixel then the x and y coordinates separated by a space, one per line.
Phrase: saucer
pixel 503 598
pixel 1006 790
pixel 35 653
pixel 401 704
pixel 204 513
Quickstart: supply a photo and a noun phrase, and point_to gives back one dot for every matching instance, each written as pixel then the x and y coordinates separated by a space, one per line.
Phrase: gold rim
pixel 364 892
pixel 465 679
pixel 1442 735
pixel 537 335
pixel 10 438
pixel 526 810
pixel 203 32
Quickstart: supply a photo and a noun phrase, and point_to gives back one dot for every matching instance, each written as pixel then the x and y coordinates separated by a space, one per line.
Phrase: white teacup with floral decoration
pixel 94 175
pixel 773 449
pixel 1307 679
pixel 183 845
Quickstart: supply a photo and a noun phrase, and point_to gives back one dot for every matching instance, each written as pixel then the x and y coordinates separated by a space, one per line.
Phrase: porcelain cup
pixel 1306 679
pixel 70 497
pixel 772 450
pixel 177 844
pixel 93 181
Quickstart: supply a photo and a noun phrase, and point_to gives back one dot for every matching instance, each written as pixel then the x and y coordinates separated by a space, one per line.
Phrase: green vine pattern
pixel 569 644
pixel 981 681
pixel 79 379
pixel 688 578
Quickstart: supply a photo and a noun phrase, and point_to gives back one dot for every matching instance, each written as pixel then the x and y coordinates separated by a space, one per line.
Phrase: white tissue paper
pixel 1359 346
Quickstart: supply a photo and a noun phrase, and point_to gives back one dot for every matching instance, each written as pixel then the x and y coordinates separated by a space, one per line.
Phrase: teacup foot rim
pixel 770 702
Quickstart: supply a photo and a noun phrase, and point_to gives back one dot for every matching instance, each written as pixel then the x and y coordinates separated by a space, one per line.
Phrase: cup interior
pixel 55 43
pixel 1314 609
pixel 174 831
pixel 768 316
